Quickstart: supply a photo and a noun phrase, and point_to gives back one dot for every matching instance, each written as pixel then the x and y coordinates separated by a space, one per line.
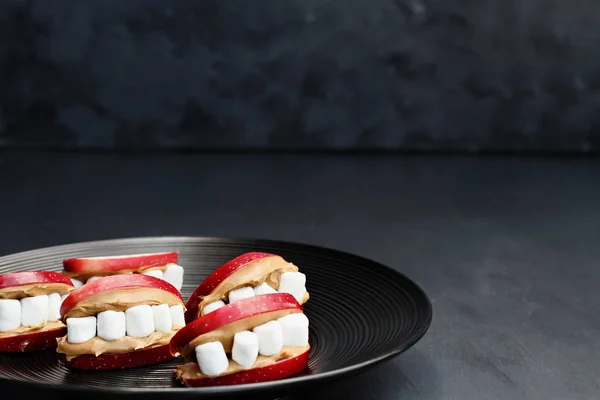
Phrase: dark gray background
pixel 391 74
pixel 506 249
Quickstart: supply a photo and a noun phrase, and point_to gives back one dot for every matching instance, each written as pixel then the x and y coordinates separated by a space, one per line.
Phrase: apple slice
pixel 134 262
pixel 19 285
pixel 159 265
pixel 34 341
pixel 16 285
pixel 247 270
pixel 138 358
pixel 118 293
pixel 222 325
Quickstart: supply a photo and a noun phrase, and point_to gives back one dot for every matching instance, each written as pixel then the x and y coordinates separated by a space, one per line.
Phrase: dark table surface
pixel 507 249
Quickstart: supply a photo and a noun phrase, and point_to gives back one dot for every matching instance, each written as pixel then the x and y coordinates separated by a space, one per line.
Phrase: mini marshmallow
pixel 295 329
pixel 93 278
pixel 76 283
pixel 162 318
pixel 240 294
pixel 157 273
pixel 245 348
pixel 80 330
pixel 111 325
pixel 211 358
pixel 174 275
pixel 34 311
pixel 10 314
pixel 263 288
pixel 177 316
pixel 270 338
pixel 293 283
pixel 139 321
pixel 54 302
pixel 212 306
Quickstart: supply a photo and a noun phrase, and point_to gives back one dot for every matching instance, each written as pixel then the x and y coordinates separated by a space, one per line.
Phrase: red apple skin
pixel 218 276
pixel 232 312
pixel 116 263
pixel 30 277
pixel 138 358
pixel 31 341
pixel 272 372
pixel 115 282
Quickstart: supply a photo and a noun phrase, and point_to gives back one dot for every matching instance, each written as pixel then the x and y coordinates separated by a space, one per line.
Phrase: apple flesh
pixel 92 293
pixel 279 370
pixel 34 341
pixel 138 358
pixel 251 266
pixel 119 263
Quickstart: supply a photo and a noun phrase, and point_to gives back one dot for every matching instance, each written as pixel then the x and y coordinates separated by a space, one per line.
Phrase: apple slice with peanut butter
pixel 30 310
pixel 257 339
pixel 120 321
pixel 246 276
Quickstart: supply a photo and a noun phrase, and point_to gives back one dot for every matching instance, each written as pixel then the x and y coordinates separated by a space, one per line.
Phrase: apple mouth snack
pixel 158 265
pixel 30 310
pixel 246 276
pixel 257 339
pixel 120 321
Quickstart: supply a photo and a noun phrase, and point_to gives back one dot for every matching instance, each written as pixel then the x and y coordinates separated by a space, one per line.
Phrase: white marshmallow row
pixel 173 274
pixel 137 321
pixel 267 339
pixel 293 283
pixel 30 312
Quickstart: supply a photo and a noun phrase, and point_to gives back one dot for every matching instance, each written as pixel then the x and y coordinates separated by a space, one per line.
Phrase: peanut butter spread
pixel 267 270
pixel 98 346
pixel 226 333
pixel 120 300
pixel 192 370
pixel 28 329
pixel 34 289
pixel 84 276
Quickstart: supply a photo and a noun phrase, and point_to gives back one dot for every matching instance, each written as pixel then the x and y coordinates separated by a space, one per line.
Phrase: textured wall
pixel 471 74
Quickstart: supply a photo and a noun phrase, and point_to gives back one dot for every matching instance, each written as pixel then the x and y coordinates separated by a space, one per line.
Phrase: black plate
pixel 360 312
